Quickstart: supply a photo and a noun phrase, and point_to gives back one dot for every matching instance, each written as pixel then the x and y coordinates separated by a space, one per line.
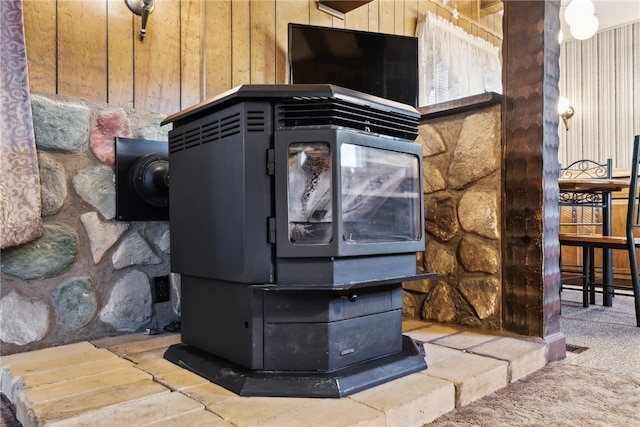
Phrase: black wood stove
pixel 296 211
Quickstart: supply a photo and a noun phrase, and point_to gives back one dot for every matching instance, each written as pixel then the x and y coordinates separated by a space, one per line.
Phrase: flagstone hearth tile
pixel 201 418
pixel 179 379
pixel 159 407
pixel 524 356
pixel 62 362
pixel 465 340
pixel 68 389
pixel 323 413
pixel 411 324
pixel 432 332
pixel 61 354
pixel 157 366
pixel 66 373
pixel 246 411
pixel 437 353
pixel 473 376
pixel 208 393
pixel 410 401
pixel 108 342
pixel 31 414
pixel 141 357
pixel 161 341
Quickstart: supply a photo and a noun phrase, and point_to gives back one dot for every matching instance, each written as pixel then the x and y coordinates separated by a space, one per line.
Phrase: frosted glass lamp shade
pixel 585 28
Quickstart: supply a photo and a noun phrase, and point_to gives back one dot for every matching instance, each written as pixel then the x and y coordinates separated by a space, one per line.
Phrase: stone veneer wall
pixel 88 276
pixel 462 168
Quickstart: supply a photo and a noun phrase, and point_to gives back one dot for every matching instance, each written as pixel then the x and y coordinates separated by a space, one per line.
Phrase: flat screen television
pixel 383 65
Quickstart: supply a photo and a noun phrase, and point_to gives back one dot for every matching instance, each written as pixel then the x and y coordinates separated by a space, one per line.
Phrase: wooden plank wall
pixel 195 49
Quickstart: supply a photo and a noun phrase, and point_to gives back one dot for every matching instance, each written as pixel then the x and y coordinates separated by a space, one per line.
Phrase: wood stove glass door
pixel 309 187
pixel 380 195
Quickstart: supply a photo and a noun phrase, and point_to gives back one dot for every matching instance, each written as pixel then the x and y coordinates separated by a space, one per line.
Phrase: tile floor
pixel 124 381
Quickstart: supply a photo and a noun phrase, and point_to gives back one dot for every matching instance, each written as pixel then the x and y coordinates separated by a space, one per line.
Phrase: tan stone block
pixel 437 353
pixel 327 412
pixel 524 356
pixel 36 356
pixel 67 389
pixel 465 340
pixel 36 414
pixel 244 411
pixel 108 342
pixel 410 401
pixel 202 418
pixel 63 360
pixel 75 371
pixel 412 324
pixel 473 376
pixel 162 341
pixel 155 354
pixel 432 332
pixel 157 366
pixel 159 407
pixel 179 379
pixel 208 393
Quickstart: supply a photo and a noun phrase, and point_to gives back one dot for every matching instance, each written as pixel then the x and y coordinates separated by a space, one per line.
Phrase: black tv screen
pixel 383 65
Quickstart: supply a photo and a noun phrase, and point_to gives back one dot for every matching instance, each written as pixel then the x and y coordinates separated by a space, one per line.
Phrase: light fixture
pixel 142 8
pixel 565 110
pixel 578 10
pixel 585 28
pixel 580 17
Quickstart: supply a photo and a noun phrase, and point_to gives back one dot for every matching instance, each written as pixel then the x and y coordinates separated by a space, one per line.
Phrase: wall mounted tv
pixel 383 65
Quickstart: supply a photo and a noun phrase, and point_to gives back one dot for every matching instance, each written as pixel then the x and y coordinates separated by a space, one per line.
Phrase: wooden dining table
pixel 598 192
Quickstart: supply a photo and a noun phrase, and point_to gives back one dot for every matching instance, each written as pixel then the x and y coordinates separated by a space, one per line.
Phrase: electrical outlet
pixel 161 289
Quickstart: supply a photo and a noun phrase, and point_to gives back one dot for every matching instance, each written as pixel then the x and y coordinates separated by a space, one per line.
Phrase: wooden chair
pixel 627 243
pixel 582 213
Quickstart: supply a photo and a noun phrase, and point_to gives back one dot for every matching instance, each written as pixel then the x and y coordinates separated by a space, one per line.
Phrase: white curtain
pixel 454 64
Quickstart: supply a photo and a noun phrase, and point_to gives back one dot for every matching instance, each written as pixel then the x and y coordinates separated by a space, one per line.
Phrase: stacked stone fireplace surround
pixel 90 275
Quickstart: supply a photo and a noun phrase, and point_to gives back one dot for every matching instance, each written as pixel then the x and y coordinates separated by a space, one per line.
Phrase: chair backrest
pixel 586 168
pixel 582 212
pixel 633 208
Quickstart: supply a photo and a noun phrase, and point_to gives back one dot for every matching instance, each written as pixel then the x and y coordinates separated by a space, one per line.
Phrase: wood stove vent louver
pixel 217 129
pixel 323 111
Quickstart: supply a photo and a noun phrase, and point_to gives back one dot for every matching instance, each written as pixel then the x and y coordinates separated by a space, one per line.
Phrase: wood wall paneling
pixel 157 60
pixel 318 17
pixel 194 49
pixel 398 17
pixel 386 16
pixel 191 53
pixel 410 17
pixel 120 42
pixel 82 49
pixel 297 12
pixel 40 38
pixel 263 44
pixel 374 16
pixel 240 42
pixel 218 47
pixel 358 19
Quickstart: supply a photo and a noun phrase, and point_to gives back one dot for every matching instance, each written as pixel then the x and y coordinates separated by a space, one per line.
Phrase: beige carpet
pixel 560 394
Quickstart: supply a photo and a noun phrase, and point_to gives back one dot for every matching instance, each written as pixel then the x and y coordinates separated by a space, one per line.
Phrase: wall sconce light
pixel 141 8
pixel 565 110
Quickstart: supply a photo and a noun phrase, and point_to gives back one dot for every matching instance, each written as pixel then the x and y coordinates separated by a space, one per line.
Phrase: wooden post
pixel 531 276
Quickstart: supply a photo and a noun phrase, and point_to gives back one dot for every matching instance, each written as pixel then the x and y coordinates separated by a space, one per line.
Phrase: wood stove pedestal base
pixel 340 383
pixel 270 341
